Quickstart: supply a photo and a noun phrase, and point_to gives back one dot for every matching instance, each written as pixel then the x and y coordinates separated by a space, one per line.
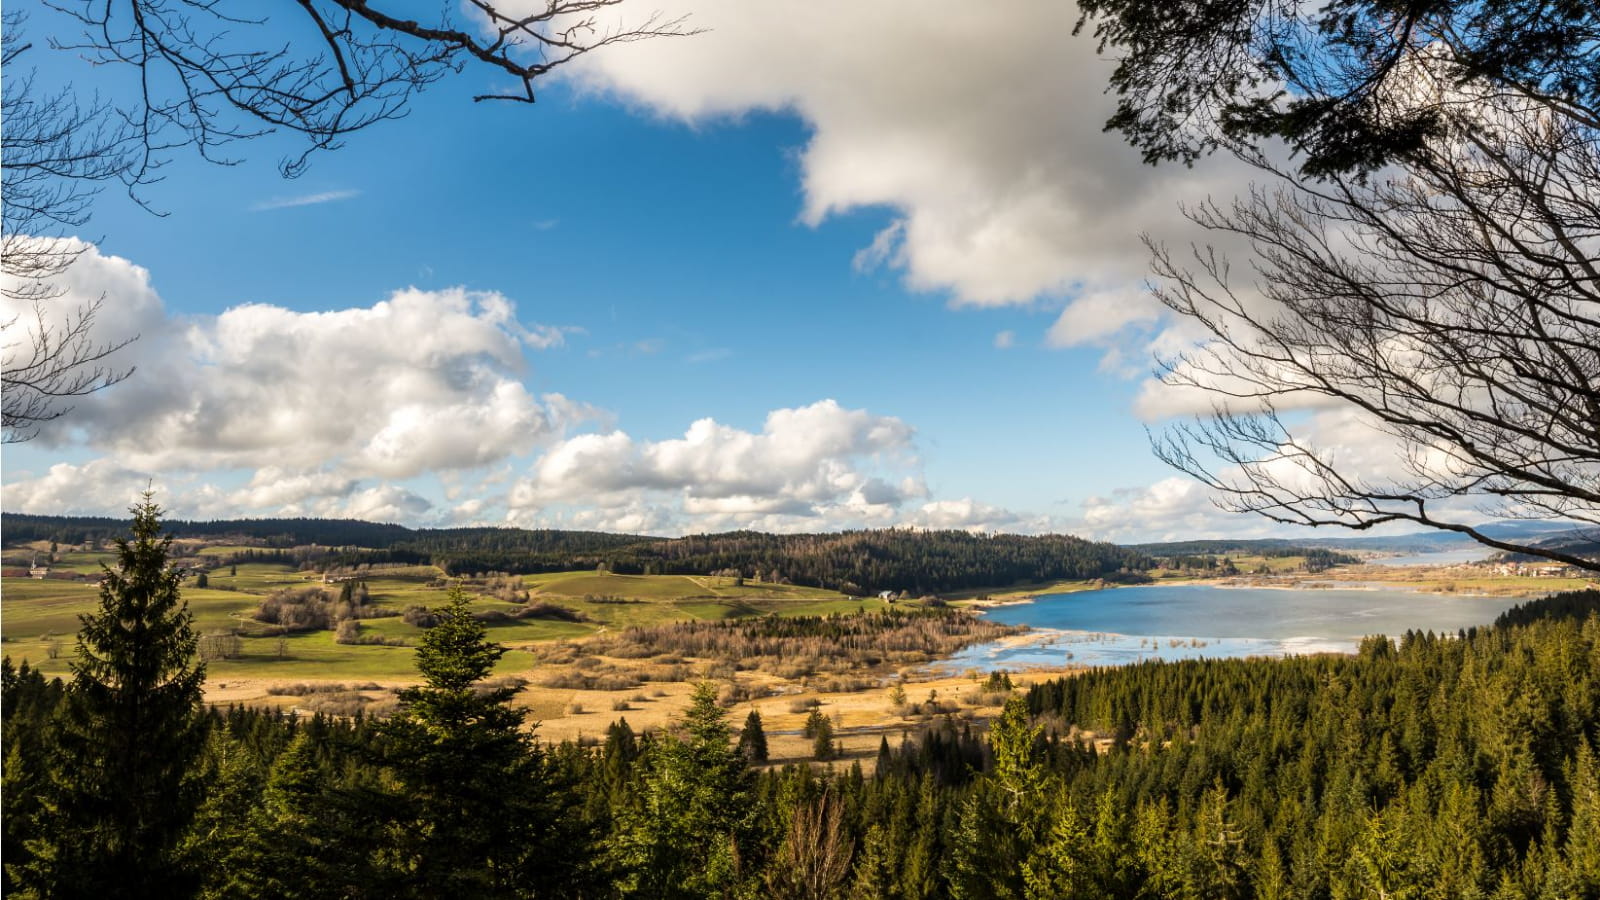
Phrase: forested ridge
pixel 1438 766
pixel 851 561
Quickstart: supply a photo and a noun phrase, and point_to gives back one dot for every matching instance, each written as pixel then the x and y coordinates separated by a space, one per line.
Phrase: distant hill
pixel 1420 542
pixel 1576 542
pixel 853 561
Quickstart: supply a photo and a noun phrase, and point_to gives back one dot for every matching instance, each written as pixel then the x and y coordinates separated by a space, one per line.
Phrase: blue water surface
pixel 1122 625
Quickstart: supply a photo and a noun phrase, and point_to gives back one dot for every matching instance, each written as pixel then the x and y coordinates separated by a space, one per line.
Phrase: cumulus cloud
pixel 806 467
pixel 98 487
pixel 979 128
pixel 968 514
pixel 421 381
pixel 323 412
pixel 1175 508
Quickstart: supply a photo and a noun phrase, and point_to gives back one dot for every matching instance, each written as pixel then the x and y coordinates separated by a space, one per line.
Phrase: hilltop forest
pixel 857 562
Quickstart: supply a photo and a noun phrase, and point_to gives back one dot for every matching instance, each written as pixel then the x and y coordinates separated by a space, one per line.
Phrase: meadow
pixel 40 616
pixel 574 686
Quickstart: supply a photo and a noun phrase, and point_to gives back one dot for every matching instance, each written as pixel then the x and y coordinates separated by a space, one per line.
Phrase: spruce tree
pixel 692 821
pixel 753 739
pixel 123 782
pixel 481 814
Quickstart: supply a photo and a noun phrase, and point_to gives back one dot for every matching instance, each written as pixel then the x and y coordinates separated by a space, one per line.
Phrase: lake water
pixel 1439 558
pixel 1129 624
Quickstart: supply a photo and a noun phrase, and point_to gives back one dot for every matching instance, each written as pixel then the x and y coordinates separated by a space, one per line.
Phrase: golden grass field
pixel 39 620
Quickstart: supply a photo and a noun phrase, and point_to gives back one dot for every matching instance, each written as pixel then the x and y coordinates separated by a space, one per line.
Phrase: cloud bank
pixel 979 128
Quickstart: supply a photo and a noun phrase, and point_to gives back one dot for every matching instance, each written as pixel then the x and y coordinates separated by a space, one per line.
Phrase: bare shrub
pixel 297 609
pixel 351 703
pixel 604 679
pixel 219 645
pixel 490 685
pixel 419 616
pixel 735 692
pixel 559 653
pixel 539 609
pixel 302 689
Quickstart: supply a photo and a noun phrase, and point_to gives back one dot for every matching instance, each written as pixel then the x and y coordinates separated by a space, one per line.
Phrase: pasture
pixel 39 618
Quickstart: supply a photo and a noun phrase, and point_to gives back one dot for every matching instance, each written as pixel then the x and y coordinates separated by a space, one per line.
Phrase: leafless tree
pixel 211 72
pixel 815 857
pixel 1453 300
pixel 208 73
pixel 58 153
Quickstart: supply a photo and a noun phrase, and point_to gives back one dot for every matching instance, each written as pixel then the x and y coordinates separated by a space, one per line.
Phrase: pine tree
pixel 753 739
pixel 1581 855
pixel 821 733
pixel 481 816
pixel 1004 820
pixel 30 703
pixel 683 838
pixel 124 780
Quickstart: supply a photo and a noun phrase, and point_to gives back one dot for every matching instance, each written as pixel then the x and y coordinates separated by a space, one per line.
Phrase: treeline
pixel 1459 765
pixel 1317 559
pixel 1438 766
pixel 279 533
pixel 857 562
pixel 891 559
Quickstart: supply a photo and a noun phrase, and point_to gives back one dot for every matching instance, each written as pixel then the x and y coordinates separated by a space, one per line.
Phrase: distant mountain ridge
pixel 1419 542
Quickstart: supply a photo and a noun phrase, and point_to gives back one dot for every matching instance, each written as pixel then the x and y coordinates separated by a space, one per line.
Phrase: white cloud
pixel 1175 508
pixel 979 127
pixel 807 467
pixel 1005 340
pixel 421 381
pixel 100 486
pixel 1098 316
pixel 968 514
pixel 379 503
pixel 322 410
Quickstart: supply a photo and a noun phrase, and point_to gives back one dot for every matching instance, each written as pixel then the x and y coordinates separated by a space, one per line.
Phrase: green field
pixel 40 617
pixel 666 587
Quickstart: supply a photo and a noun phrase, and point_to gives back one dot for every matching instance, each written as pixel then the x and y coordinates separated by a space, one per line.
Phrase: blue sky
pixel 658 243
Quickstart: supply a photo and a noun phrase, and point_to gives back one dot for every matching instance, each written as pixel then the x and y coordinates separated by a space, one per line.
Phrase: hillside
pixel 857 562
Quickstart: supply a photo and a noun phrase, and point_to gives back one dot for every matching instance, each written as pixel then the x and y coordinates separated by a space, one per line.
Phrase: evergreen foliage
pixel 861 562
pixel 1432 766
pixel 753 739
pixel 453 752
pixel 123 779
pixel 689 830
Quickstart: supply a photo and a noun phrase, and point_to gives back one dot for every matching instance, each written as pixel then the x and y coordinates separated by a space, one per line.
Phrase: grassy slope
pixel 38 615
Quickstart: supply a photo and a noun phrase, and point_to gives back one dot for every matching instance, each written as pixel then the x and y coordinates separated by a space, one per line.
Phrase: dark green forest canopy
pixel 851 561
pixel 1430 766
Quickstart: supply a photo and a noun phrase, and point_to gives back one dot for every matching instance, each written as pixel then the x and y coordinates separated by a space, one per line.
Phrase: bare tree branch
pixel 1455 303
pixel 211 72
pixel 58 154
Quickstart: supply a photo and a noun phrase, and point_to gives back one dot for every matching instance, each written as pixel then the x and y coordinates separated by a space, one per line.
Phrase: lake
pixel 1129 624
pixel 1437 558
